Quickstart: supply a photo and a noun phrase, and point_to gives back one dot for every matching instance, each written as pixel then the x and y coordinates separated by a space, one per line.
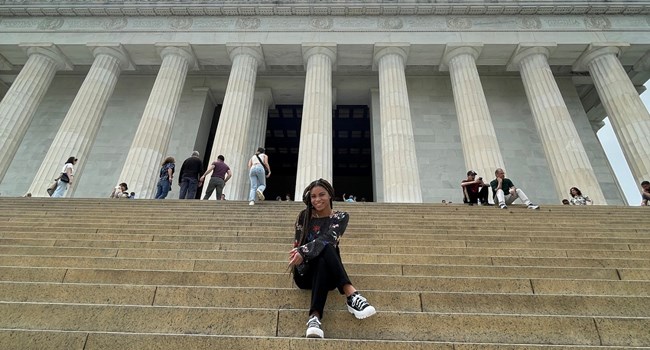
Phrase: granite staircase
pixel 140 274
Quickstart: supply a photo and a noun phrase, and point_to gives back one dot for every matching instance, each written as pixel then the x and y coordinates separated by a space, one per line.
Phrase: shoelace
pixel 358 302
pixel 313 322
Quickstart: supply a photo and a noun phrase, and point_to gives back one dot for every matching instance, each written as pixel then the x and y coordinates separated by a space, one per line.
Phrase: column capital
pixel 455 49
pixel 596 50
pixel 251 49
pixel 5 64
pixel 49 50
pixel 181 49
pixel 527 49
pixel 383 49
pixel 328 49
pixel 267 95
pixel 114 50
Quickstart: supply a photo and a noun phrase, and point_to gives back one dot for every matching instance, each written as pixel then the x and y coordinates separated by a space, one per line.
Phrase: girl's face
pixel 320 199
pixel 574 192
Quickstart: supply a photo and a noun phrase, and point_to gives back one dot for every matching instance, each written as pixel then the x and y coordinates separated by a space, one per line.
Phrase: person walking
pixel 259 171
pixel 165 178
pixel 221 173
pixel 65 178
pixel 316 259
pixel 188 177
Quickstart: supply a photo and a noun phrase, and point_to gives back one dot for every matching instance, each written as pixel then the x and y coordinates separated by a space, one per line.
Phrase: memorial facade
pixel 392 100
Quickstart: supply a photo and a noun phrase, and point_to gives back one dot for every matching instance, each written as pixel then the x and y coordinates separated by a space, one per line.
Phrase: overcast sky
pixel 616 158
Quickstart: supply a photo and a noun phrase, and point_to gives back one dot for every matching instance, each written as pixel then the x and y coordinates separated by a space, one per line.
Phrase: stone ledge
pixel 307 7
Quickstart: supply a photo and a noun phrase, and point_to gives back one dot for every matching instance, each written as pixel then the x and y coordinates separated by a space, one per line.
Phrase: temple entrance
pixel 352 151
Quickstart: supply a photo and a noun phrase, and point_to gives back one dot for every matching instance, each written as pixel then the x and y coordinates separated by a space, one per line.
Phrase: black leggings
pixel 325 273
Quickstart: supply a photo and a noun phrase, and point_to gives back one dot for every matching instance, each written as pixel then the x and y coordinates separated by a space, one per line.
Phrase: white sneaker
pixel 533 206
pixel 260 195
pixel 503 206
pixel 359 307
pixel 313 328
pixel 251 203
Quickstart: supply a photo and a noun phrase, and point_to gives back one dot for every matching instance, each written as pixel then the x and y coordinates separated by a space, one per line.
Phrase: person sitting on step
pixel 645 195
pixel 316 259
pixel 474 190
pixel 502 185
pixel 577 198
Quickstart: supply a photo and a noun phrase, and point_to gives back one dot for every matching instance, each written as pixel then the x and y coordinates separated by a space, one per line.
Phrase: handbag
pixel 266 171
pixel 64 177
pixel 50 190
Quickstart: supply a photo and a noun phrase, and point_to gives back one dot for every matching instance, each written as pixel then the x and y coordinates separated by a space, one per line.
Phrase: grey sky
pixel 616 158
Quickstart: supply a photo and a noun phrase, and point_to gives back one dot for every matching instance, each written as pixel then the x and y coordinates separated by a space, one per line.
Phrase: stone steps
pixel 100 274
pixel 386 325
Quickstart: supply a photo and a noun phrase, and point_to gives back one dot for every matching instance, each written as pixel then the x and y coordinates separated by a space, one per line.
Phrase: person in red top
pixel 316 259
pixel 474 190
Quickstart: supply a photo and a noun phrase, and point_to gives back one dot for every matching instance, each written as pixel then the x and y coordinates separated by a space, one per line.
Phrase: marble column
pixel 262 101
pixel 629 117
pixel 315 151
pixel 400 165
pixel 565 153
pixel 77 132
pixel 231 138
pixel 478 138
pixel 149 146
pixel 19 104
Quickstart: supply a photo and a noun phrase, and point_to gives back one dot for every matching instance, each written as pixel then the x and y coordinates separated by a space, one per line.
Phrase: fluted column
pixel 565 153
pixel 149 146
pixel 77 133
pixel 477 135
pixel 19 104
pixel 629 117
pixel 315 150
pixel 262 101
pixel 231 138
pixel 400 166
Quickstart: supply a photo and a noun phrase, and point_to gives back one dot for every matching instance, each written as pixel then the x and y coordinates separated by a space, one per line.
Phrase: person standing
pixel 502 185
pixel 221 173
pixel 259 171
pixel 65 178
pixel 316 258
pixel 188 178
pixel 166 177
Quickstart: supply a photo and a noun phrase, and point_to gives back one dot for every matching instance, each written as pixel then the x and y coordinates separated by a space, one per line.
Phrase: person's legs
pixel 253 177
pixel 510 198
pixel 159 189
pixel 211 185
pixel 192 186
pixel 501 197
pixel 184 185
pixel 483 195
pixel 60 189
pixel 472 198
pixel 166 187
pixel 219 185
pixel 261 181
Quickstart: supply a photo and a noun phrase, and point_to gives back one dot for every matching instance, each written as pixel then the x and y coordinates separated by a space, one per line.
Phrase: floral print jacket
pixel 322 231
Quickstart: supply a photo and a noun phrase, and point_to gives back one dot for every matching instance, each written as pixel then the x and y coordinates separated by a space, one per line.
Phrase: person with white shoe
pixel 259 171
pixel 316 259
pixel 502 185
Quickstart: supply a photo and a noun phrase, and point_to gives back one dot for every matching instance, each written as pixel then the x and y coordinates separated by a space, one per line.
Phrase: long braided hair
pixel 306 198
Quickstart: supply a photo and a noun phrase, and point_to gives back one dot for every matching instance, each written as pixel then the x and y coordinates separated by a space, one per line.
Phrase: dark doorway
pixel 352 156
pixel 208 147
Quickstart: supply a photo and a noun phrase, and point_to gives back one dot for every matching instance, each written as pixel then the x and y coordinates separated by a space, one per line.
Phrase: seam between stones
pixel 155 293
pixel 421 303
pixel 532 286
pixel 86 341
pixel 64 275
pixel 600 339
pixel 277 323
pixel 619 275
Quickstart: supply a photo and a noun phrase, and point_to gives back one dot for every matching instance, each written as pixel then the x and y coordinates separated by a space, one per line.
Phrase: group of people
pixel 504 191
pixel 191 176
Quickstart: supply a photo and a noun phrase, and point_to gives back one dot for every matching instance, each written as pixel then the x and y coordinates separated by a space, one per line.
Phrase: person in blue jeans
pixel 258 165
pixel 165 178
